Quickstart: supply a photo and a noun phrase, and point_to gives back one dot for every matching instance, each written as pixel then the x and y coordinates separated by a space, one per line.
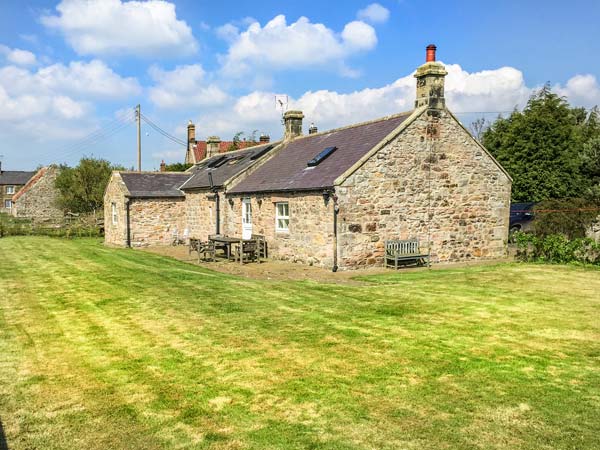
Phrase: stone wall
pixel 310 236
pixel 115 233
pixel 39 202
pixel 438 186
pixel 201 213
pixel 153 221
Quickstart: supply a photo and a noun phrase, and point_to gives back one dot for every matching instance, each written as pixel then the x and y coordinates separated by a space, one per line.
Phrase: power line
pixel 106 131
pixel 163 132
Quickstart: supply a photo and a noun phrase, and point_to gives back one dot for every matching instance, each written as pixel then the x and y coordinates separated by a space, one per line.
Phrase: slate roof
pixel 236 162
pixel 288 170
pixel 154 184
pixel 15 177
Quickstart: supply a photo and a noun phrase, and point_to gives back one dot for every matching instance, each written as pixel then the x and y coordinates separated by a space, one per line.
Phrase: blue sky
pixel 71 71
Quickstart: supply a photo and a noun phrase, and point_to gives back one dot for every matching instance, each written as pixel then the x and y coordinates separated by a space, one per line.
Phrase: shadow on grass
pixel 3 443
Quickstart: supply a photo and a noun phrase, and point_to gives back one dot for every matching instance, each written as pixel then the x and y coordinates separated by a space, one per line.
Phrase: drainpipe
pixel 218 208
pixel 128 224
pixel 336 210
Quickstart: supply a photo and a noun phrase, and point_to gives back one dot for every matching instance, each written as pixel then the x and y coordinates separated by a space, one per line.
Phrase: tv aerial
pixel 281 103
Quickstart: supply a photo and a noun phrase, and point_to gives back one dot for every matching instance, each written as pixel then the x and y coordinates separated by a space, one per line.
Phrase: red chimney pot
pixel 430 53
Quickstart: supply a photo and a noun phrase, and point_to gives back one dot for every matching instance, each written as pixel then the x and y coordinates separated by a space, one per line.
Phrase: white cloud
pixel 55 101
pixel 185 86
pixel 581 90
pixel 374 13
pixel 115 27
pixel 18 56
pixel 301 44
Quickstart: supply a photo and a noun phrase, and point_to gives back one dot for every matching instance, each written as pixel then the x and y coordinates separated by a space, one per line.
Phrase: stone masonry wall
pixel 153 221
pixel 201 215
pixel 40 201
pixel 310 236
pixel 450 192
pixel 115 234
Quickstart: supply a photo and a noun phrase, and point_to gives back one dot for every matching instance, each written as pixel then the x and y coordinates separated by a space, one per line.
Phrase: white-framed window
pixel 113 212
pixel 8 204
pixel 10 189
pixel 282 216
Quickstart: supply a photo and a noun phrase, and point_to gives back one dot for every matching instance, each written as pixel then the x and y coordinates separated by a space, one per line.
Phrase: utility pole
pixel 138 116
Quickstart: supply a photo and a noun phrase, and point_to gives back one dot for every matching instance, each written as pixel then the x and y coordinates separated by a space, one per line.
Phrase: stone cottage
pixel 11 182
pixel 144 208
pixel 38 200
pixel 209 182
pixel 333 198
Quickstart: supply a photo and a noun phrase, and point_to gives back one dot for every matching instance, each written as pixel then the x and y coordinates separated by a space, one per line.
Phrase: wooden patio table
pixel 229 241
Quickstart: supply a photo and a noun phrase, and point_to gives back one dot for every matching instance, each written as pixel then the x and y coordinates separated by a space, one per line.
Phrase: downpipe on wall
pixel 128 223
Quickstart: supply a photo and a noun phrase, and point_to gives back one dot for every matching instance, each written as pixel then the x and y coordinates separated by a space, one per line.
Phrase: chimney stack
pixel 163 166
pixel 313 129
pixel 212 146
pixel 264 138
pixel 430 82
pixel 293 124
pixel 190 157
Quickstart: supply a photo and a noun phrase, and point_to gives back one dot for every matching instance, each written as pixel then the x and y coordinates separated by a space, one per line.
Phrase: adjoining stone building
pixel 144 208
pixel 11 182
pixel 333 198
pixel 209 181
pixel 38 200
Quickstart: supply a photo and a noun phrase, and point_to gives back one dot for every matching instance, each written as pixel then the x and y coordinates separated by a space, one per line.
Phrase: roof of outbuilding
pixel 232 164
pixel 154 184
pixel 199 147
pixel 17 177
pixel 288 169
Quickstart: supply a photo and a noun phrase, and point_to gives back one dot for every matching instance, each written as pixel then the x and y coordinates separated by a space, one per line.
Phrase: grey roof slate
pixel 236 162
pixel 288 170
pixel 16 177
pixel 155 184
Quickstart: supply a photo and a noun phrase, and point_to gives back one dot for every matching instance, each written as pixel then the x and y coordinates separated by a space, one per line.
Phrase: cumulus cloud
pixel 491 91
pixel 374 13
pixel 185 86
pixel 115 27
pixel 301 44
pixel 18 56
pixel 55 99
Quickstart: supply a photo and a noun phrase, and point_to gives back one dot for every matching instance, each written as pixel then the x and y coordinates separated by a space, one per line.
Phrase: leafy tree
pixel 81 188
pixel 177 167
pixel 541 147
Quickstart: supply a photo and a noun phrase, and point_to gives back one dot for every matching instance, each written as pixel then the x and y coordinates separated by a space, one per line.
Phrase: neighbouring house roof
pixel 288 170
pixel 200 147
pixel 16 177
pixel 31 182
pixel 154 184
pixel 223 169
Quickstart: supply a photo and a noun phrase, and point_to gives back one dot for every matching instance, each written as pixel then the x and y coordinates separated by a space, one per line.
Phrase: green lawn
pixel 120 349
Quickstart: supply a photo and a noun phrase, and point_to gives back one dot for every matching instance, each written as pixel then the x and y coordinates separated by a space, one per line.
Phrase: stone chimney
pixel 264 138
pixel 163 166
pixel 190 157
pixel 313 129
pixel 430 82
pixel 293 124
pixel 212 146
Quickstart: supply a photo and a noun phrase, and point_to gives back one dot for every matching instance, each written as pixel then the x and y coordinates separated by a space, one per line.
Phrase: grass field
pixel 119 349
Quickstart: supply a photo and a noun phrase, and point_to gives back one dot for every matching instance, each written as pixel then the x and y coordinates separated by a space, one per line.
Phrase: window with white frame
pixel 113 211
pixel 8 204
pixel 10 189
pixel 282 216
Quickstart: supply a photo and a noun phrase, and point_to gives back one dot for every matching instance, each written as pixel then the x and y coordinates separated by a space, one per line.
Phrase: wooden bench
pixel 261 243
pixel 397 251
pixel 203 248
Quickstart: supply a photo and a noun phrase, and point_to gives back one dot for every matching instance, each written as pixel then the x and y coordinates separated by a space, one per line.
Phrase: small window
pixel 114 215
pixel 321 157
pixel 282 216
pixel 10 189
pixel 8 204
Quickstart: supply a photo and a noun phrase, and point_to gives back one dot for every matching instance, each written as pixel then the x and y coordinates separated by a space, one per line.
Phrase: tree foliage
pixel 542 147
pixel 177 167
pixel 81 188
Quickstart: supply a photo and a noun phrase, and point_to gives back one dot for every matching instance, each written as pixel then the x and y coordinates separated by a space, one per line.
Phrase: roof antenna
pixel 281 103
